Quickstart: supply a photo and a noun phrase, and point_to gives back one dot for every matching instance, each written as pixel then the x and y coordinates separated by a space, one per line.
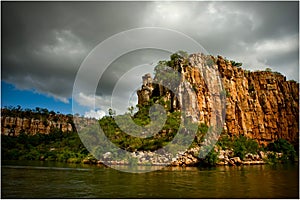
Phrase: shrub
pixel 239 149
pixel 211 157
pixel 12 154
pixel 233 63
pixel 225 142
pixel 243 145
pixel 272 159
pixel 268 69
pixel 283 146
pixel 33 154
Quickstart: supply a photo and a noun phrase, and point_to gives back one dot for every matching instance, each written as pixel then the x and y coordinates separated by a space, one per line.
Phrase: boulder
pixel 107 155
pixel 262 155
pixel 236 160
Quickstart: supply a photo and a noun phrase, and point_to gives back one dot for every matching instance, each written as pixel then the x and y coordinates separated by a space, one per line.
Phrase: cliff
pixel 260 105
pixel 13 126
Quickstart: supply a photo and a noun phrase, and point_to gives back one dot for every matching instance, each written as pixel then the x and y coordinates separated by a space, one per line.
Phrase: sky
pixel 44 45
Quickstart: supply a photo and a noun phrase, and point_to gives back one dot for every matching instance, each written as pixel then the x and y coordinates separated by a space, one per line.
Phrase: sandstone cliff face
pixel 260 105
pixel 14 125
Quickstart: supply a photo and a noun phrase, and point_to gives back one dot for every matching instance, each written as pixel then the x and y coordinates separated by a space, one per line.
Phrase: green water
pixel 56 180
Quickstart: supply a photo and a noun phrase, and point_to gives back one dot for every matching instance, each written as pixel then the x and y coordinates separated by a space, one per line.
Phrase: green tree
pixel 268 69
pixel 283 146
pixel 131 109
pixel 111 112
pixel 236 64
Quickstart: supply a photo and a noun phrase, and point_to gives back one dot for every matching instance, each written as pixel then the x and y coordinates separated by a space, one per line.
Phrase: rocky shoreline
pixel 184 159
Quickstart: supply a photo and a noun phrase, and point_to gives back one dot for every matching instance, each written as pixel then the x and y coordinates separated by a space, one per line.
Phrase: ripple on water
pixel 41 180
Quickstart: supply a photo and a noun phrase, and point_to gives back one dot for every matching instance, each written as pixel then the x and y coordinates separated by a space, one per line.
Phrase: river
pixel 34 179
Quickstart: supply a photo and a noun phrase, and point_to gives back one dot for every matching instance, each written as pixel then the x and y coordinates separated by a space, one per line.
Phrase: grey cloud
pixel 39 40
pixel 126 63
pixel 44 43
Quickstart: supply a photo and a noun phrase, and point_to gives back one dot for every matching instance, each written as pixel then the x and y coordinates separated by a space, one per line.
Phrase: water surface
pixel 30 179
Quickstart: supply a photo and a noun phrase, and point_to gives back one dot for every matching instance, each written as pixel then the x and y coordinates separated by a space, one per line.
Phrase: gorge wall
pixel 13 126
pixel 260 105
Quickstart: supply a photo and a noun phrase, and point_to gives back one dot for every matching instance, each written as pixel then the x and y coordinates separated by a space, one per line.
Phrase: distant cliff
pixel 15 122
pixel 260 105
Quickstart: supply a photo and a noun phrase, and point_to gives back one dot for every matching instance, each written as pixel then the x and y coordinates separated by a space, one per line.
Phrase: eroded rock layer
pixel 13 126
pixel 261 105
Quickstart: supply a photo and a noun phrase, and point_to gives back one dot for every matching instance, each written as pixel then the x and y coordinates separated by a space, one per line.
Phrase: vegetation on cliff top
pixel 37 113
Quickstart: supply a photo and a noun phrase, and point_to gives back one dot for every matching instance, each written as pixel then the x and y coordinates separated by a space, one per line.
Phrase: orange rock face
pixel 259 105
pixel 14 125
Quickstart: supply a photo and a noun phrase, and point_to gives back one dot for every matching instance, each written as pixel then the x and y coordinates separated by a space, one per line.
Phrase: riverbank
pixel 189 159
pixel 67 147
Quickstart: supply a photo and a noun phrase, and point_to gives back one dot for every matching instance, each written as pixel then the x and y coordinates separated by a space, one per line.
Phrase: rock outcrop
pixel 13 126
pixel 146 91
pixel 260 105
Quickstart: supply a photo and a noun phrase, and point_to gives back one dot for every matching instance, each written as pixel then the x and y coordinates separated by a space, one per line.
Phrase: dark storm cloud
pixel 44 43
pixel 125 64
pixel 237 29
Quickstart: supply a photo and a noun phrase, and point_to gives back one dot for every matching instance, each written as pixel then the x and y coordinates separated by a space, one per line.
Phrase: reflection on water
pixel 59 180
